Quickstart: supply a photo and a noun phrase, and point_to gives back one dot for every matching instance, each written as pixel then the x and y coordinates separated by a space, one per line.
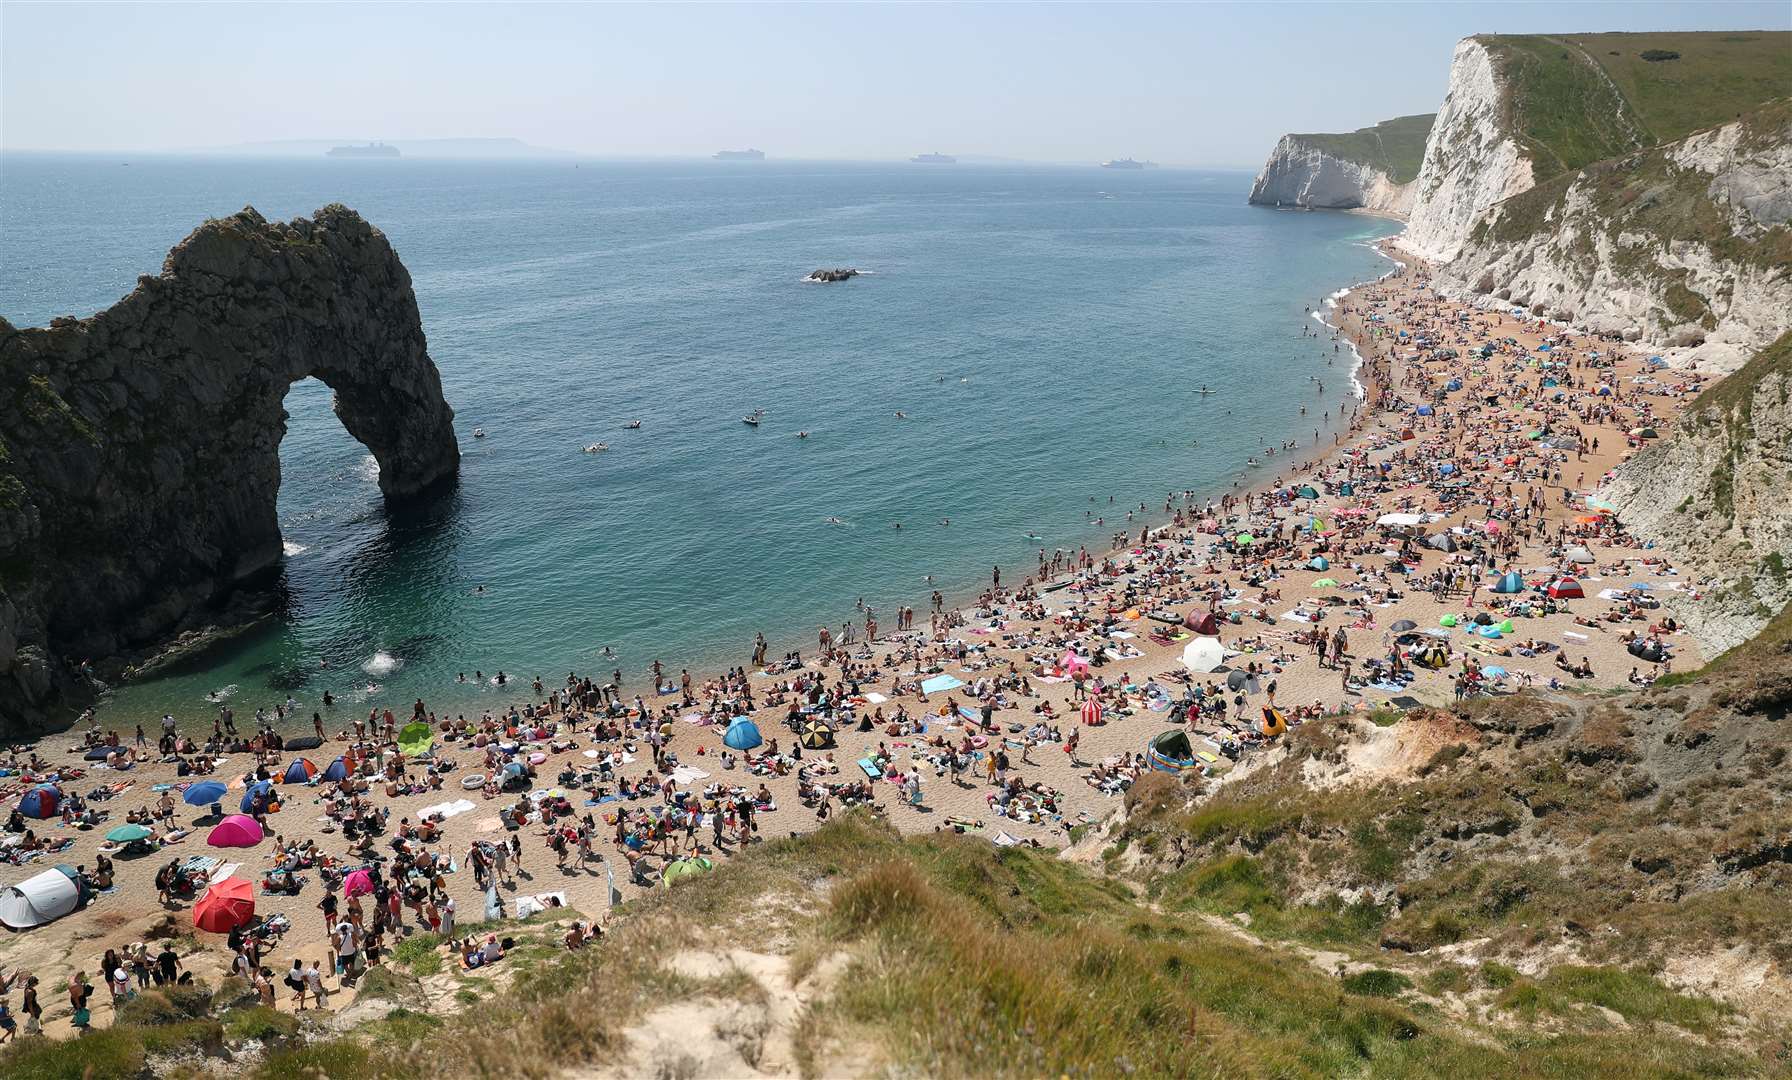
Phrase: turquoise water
pixel 1040 327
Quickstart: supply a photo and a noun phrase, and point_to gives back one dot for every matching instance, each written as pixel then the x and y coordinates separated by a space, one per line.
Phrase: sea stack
pixel 140 448
pixel 837 274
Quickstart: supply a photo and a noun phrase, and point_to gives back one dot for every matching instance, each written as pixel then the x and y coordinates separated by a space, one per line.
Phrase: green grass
pixel 258 1023
pixel 421 953
pixel 1396 147
pixel 1559 106
pixel 1637 997
pixel 1376 982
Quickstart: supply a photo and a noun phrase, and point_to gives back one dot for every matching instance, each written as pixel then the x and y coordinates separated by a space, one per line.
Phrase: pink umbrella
pixel 237 830
pixel 358 883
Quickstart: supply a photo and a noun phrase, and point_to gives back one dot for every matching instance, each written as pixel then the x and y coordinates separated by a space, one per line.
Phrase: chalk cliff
pixel 1715 494
pixel 1546 185
pixel 1371 168
pixel 139 448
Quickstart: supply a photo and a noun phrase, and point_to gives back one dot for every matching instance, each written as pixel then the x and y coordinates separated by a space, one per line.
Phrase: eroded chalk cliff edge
pixel 1371 168
pixel 139 448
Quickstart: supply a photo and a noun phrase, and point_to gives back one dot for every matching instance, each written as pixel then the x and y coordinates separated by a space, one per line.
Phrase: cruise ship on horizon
pixel 740 155
pixel 934 159
pixel 1128 163
pixel 372 149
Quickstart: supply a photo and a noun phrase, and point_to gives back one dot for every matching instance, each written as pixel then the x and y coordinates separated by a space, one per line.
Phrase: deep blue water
pixel 1040 327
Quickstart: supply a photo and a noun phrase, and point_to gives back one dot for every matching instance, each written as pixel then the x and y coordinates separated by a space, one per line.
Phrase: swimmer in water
pixel 900 415
pixel 833 521
pixel 802 434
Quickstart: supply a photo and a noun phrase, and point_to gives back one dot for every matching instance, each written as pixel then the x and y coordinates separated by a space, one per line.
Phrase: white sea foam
pixel 382 663
pixel 368 468
pixel 292 549
pixel 220 694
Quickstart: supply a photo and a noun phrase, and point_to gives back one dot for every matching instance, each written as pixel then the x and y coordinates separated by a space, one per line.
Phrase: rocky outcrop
pixel 1715 494
pixel 836 274
pixel 139 448
pixel 1360 170
pixel 1471 160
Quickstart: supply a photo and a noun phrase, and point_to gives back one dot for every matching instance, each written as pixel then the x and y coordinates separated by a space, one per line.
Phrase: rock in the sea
pixel 837 274
pixel 139 448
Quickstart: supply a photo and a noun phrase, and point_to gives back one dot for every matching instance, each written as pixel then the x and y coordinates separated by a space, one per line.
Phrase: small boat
pixel 597 448
pixel 753 417
pixel 632 425
pixel 479 433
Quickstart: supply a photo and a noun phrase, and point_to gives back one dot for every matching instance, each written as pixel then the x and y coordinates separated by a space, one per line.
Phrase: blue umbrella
pixel 204 793
pixel 264 787
pixel 743 734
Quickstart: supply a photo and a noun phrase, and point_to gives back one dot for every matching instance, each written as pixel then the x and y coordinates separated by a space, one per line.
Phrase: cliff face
pixel 1471 161
pixel 1715 494
pixel 139 448
pixel 1371 168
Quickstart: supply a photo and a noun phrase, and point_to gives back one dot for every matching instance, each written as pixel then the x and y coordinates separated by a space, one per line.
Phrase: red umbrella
pixel 358 883
pixel 225 906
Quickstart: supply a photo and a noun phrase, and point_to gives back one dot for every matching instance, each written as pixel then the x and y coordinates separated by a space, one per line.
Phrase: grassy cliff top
pixel 1396 146
pixel 1577 99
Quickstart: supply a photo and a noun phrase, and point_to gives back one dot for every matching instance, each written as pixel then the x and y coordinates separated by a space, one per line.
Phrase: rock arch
pixel 139 448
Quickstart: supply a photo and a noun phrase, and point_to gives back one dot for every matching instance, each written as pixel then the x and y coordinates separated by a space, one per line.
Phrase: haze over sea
pixel 1042 328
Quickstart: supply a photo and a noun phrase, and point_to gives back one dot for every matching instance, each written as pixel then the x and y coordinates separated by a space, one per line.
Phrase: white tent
pixel 41 899
pixel 1400 519
pixel 1204 654
pixel 1578 555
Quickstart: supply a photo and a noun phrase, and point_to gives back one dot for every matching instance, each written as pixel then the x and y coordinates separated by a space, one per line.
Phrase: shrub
pixel 1658 55
pixel 258 1023
pixel 98 1055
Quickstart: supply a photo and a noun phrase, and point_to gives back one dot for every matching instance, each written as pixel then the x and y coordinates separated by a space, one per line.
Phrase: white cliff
pixel 1301 174
pixel 1471 162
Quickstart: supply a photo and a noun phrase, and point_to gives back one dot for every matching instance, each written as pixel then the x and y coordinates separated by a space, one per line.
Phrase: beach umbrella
pixel 1325 583
pixel 816 734
pixel 416 738
pixel 237 830
pixel 1319 562
pixel 204 793
pixel 1092 712
pixel 126 834
pixel 299 771
pixel 1236 680
pixel 1448 620
pixel 225 906
pixel 264 788
pixel 41 802
pixel 1245 538
pixel 1403 625
pixel 1203 654
pixel 743 734
pixel 335 770
pixel 684 868
pixel 357 883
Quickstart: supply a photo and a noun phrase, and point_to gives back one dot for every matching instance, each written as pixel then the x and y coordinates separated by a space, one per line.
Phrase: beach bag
pixel 82 1017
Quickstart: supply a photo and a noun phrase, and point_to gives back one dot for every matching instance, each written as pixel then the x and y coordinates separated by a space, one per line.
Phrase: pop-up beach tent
pixel 1509 582
pixel 42 898
pixel 1203 622
pixel 335 770
pixel 41 802
pixel 743 734
pixel 237 830
pixel 1170 752
pixel 416 738
pixel 1566 588
pixel 300 771
pixel 264 788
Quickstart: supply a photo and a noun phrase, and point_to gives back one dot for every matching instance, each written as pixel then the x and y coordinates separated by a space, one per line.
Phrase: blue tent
pixel 1425 410
pixel 1509 582
pixel 1319 562
pixel 204 793
pixel 265 788
pixel 1453 384
pixel 40 802
pixel 336 770
pixel 298 772
pixel 743 734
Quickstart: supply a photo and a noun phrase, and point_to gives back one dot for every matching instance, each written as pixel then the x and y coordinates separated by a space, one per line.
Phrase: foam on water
pixel 382 663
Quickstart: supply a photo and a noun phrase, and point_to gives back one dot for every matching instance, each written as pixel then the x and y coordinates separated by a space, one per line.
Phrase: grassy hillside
pixel 1396 147
pixel 1580 99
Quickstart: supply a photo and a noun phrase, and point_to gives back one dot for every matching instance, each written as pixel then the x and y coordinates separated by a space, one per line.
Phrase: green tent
pixel 416 738
pixel 683 868
pixel 1506 627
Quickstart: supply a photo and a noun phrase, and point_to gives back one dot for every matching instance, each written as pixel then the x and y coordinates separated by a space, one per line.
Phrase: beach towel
pixel 876 698
pixel 870 768
pixel 686 774
pixel 940 684
pixel 1002 839
pixel 447 809
pixel 222 872
pixel 529 905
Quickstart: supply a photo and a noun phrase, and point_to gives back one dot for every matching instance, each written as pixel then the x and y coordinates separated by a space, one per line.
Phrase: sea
pixel 1017 368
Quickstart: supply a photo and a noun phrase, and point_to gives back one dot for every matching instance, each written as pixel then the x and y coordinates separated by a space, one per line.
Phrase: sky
pixel 1192 84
